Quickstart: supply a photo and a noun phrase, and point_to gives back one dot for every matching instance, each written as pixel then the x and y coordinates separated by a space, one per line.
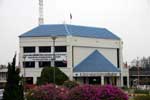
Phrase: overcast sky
pixel 129 19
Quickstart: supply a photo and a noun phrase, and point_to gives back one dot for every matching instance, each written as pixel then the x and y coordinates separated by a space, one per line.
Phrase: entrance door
pixel 94 80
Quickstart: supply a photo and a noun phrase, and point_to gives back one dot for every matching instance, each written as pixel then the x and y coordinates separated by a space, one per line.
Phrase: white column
pixel 121 63
pixel 128 82
pixel 69 57
pixel 36 64
pixel 36 49
pixel 118 81
pixel 102 80
pixel 34 80
pixel 21 60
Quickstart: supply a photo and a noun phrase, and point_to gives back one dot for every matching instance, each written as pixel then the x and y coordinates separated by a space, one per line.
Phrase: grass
pixel 131 99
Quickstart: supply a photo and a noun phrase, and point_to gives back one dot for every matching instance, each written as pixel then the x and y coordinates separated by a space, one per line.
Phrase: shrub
pixel 29 86
pixel 109 92
pixel 83 92
pixel 48 92
pixel 70 84
pixel 89 92
pixel 146 97
pixel 47 76
pixel 14 88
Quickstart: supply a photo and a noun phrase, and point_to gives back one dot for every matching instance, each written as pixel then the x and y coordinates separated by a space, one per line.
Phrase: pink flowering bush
pixel 48 92
pixel 89 92
pixel 109 92
pixel 83 92
pixel 80 92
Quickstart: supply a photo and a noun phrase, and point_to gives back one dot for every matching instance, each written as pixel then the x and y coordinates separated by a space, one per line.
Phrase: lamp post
pixel 53 62
pixel 53 58
pixel 24 71
pixel 24 74
pixel 138 71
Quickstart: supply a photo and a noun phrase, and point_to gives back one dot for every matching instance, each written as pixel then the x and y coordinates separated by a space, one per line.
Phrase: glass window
pixel 28 49
pixel 29 64
pixel 60 49
pixel 44 64
pixel 44 49
pixel 60 63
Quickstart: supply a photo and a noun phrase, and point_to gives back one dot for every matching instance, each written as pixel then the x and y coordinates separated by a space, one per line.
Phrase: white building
pixel 86 54
pixel 3 75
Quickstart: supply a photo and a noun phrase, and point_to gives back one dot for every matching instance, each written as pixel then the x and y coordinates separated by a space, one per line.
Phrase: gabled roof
pixel 66 29
pixel 95 62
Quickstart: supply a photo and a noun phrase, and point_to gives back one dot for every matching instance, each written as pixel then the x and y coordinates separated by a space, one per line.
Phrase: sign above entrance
pixel 90 74
pixel 44 57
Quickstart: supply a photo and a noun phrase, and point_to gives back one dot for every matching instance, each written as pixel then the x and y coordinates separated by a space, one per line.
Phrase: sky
pixel 129 19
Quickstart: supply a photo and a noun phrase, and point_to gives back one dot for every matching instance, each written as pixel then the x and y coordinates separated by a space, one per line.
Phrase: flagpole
pixel 70 18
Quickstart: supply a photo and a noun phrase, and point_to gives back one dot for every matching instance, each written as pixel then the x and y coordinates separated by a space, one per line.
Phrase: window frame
pixel 24 64
pixel 60 50
pixel 42 47
pixel 43 62
pixel 63 62
pixel 26 51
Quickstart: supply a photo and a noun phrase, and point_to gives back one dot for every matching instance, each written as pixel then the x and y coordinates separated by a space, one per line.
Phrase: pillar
pixel 102 80
pixel 34 80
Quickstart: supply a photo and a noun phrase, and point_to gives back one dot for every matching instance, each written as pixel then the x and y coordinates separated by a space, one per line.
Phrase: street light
pixel 53 58
pixel 53 61
pixel 138 71
pixel 24 73
pixel 24 80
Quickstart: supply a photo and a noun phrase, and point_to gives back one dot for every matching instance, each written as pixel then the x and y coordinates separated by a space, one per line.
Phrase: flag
pixel 70 16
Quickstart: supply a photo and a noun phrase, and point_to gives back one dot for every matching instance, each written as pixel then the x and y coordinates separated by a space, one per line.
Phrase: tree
pixel 13 89
pixel 47 76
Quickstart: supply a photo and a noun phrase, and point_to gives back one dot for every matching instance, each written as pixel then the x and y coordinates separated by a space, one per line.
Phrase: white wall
pixel 82 47
pixel 80 53
pixel 40 41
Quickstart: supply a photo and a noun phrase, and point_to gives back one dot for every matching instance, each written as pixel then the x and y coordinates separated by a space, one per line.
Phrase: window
pixel 60 49
pixel 29 64
pixel 3 75
pixel 60 63
pixel 28 49
pixel 44 64
pixel 44 49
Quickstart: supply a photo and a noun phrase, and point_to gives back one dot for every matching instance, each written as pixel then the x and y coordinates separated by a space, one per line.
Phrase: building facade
pixel 3 75
pixel 86 54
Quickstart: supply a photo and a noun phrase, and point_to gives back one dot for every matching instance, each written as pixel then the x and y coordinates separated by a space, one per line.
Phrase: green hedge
pixel 70 84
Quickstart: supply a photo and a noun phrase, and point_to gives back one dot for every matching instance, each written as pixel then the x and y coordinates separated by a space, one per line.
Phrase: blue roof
pixel 95 62
pixel 66 29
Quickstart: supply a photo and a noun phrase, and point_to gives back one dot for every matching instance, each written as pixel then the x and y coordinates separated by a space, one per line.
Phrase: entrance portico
pixel 113 79
pixel 96 69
